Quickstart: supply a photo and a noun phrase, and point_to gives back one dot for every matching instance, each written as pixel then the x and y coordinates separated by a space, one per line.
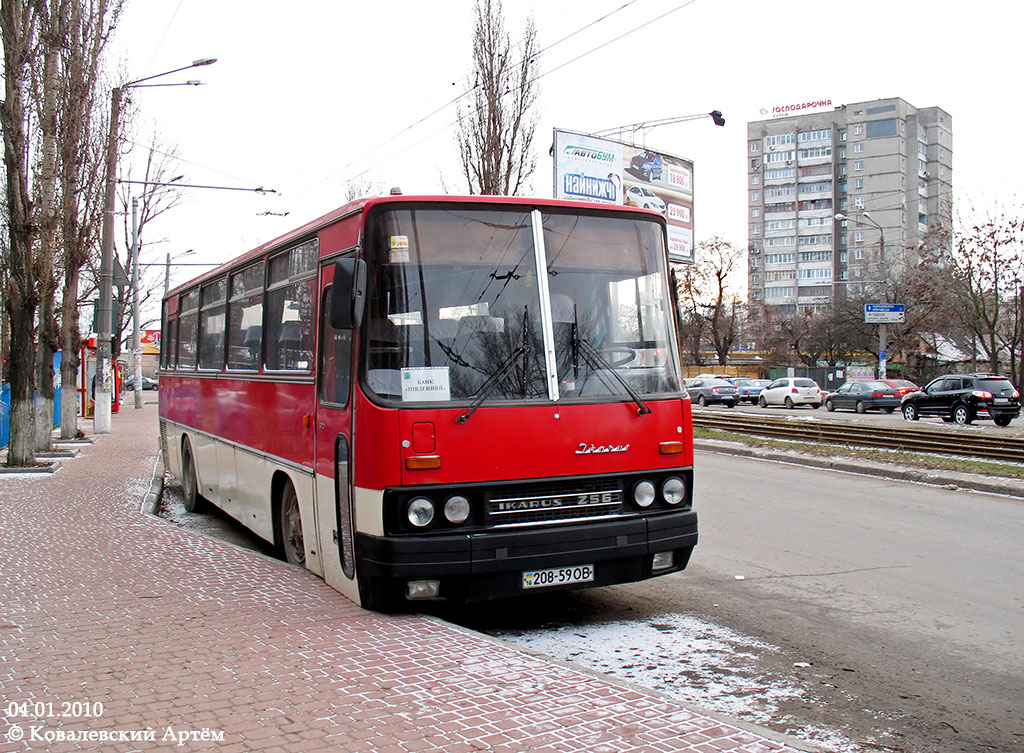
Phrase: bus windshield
pixel 456 307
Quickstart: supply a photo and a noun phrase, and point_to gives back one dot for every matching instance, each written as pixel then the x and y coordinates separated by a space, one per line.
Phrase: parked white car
pixel 790 392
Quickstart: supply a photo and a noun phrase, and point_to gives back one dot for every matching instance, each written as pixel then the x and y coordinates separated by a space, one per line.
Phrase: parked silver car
pixel 712 391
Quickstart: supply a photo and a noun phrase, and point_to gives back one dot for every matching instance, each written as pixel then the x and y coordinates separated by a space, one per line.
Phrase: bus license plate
pixel 558 576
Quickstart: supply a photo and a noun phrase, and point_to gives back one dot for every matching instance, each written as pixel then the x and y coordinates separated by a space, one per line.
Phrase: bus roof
pixel 360 205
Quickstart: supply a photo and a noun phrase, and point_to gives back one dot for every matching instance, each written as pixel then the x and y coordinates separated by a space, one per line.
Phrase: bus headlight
pixel 673 490
pixel 643 494
pixel 456 509
pixel 420 512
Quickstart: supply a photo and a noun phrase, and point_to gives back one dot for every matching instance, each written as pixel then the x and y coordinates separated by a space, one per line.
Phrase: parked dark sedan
pixel 962 398
pixel 863 395
pixel 711 391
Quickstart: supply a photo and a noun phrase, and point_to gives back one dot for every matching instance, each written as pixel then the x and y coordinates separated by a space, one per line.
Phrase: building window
pixel 858 254
pixel 858 130
pixel 814 151
pixel 755 180
pixel 858 148
pixel 755 146
pixel 858 237
pixel 842 257
pixel 842 135
pixel 755 212
pixel 859 183
pixel 755 229
pixel 858 165
pixel 755 196
pixel 858 201
pixel 755 162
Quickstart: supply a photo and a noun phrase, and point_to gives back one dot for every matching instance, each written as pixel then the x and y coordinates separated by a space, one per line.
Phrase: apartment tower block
pixel 884 166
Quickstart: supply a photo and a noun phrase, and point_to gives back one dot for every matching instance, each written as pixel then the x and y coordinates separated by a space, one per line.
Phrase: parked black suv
pixel 963 398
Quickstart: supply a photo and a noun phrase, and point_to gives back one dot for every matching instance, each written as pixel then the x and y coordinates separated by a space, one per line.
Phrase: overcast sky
pixel 310 94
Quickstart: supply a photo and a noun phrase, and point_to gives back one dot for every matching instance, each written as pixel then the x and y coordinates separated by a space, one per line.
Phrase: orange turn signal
pixel 423 462
pixel 670 448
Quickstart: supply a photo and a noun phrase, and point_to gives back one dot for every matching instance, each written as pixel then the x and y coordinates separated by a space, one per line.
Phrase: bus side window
pixel 335 359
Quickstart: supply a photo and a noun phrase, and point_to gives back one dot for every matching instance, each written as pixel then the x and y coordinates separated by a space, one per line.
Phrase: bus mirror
pixel 349 293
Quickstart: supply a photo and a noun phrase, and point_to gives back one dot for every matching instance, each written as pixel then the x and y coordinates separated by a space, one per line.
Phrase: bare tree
pixel 82 123
pixel 710 305
pixel 496 131
pixel 357 188
pixel 54 23
pixel 692 324
pixel 149 203
pixel 987 260
pixel 19 28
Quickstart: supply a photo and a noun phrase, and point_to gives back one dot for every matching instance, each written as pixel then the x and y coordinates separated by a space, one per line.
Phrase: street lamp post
pixel 167 268
pixel 882 333
pixel 715 115
pixel 105 323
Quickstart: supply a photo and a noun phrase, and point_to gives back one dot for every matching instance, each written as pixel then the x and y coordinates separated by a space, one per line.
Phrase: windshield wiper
pixel 600 364
pixel 502 371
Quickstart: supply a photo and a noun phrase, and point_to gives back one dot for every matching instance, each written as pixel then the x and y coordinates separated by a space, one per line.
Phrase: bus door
pixel 333 422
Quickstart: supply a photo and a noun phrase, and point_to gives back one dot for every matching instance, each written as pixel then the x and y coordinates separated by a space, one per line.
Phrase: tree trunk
pixel 70 346
pixel 17 24
pixel 45 393
pixel 47 339
pixel 22 448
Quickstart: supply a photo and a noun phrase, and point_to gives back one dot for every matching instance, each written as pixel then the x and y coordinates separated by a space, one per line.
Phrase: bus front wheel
pixel 290 526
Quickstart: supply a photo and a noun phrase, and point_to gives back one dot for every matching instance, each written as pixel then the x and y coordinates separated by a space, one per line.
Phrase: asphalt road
pixel 898 606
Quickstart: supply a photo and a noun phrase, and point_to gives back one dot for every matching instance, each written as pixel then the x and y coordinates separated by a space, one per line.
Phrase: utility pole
pixel 105 319
pixel 104 378
pixel 136 334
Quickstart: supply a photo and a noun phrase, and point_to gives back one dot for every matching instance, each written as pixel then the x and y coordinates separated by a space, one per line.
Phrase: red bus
pixel 441 398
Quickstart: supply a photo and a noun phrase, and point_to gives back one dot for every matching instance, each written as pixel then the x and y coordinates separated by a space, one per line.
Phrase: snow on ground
pixel 700 663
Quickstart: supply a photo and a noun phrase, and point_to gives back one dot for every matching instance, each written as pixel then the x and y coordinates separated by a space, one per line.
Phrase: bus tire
pixel 194 501
pixel 289 525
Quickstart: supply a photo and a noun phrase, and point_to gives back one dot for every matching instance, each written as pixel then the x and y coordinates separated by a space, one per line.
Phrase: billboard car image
pixel 590 168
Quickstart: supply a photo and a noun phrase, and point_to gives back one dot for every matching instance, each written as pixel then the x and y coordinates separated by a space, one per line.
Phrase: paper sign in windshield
pixel 424 383
pixel 399 248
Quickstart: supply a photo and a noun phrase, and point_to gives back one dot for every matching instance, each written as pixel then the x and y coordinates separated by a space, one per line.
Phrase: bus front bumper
pixel 491 564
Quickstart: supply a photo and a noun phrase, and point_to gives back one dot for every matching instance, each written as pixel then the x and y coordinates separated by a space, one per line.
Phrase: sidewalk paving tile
pixel 190 644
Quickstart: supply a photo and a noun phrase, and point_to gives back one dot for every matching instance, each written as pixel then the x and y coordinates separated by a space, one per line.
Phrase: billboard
pixel 588 168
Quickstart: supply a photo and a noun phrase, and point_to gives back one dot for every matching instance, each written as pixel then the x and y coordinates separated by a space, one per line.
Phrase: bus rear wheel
pixel 289 523
pixel 194 501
